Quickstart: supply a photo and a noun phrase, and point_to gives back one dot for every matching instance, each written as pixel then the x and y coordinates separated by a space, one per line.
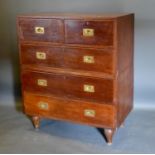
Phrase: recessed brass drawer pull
pixel 43 105
pixel 89 113
pixel 39 30
pixel 88 32
pixel 88 59
pixel 42 82
pixel 41 55
pixel 89 88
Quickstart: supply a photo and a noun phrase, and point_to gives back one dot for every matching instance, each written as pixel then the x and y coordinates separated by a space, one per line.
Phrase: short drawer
pixel 96 60
pixel 99 33
pixel 100 115
pixel 31 29
pixel 69 86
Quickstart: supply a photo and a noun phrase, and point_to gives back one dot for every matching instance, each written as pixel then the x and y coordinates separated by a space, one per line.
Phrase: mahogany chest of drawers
pixel 77 68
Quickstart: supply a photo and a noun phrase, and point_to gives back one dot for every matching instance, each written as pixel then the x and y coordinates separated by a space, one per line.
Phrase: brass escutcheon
pixel 42 82
pixel 89 113
pixel 41 55
pixel 43 105
pixel 88 59
pixel 39 30
pixel 87 32
pixel 89 88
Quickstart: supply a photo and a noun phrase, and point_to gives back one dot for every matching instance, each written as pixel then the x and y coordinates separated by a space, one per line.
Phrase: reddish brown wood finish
pixel 69 86
pixel 91 74
pixel 103 59
pixel 125 66
pixel 54 31
pixel 83 16
pixel 71 110
pixel 111 74
pixel 103 32
pixel 67 57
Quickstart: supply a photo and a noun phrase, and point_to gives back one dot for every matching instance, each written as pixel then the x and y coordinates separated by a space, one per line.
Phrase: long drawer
pixel 63 85
pixel 100 115
pixel 98 60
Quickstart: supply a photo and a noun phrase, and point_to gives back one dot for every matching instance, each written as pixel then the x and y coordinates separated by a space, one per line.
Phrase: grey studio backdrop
pixel 144 42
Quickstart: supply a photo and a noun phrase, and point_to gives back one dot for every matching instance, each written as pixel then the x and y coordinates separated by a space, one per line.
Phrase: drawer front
pixel 89 32
pixel 70 58
pixel 89 59
pixel 89 89
pixel 100 115
pixel 50 30
pixel 42 55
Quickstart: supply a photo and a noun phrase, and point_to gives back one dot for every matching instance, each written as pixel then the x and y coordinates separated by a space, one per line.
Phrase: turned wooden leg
pixel 36 121
pixel 109 135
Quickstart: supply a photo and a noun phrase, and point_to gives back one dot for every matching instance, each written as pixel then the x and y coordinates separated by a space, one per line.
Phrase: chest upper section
pixel 68 31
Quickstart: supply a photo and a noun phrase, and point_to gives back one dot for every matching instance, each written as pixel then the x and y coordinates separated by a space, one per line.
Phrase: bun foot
pixel 109 135
pixel 36 122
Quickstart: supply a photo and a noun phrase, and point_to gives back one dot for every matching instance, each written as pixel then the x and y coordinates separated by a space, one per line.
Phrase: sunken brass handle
pixel 89 88
pixel 88 59
pixel 39 30
pixel 89 113
pixel 42 82
pixel 88 32
pixel 43 105
pixel 41 55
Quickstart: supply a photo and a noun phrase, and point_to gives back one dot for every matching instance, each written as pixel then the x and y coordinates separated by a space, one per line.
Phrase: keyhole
pixel 39 30
pixel 88 31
